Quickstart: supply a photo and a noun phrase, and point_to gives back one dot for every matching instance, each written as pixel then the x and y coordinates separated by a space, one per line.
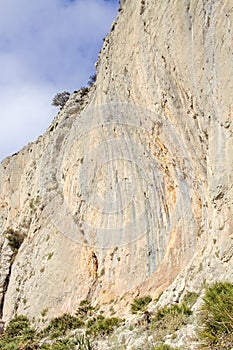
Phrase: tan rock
pixel 129 191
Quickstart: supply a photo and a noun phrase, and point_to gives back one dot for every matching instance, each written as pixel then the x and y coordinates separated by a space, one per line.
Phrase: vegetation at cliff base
pixel 169 319
pixel 102 326
pixel 140 304
pixel 216 319
pixel 88 327
pixel 18 334
pixel 164 347
pixel 64 332
pixel 60 325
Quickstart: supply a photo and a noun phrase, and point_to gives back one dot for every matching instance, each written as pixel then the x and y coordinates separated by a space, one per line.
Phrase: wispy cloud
pixel 45 47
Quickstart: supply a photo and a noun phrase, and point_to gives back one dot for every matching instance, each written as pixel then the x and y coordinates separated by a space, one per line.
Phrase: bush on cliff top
pixel 60 99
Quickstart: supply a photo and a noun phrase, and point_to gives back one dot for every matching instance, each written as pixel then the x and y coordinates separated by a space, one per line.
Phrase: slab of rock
pixel 129 191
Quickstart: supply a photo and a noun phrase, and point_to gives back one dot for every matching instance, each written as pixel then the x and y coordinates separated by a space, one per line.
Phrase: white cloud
pixel 45 47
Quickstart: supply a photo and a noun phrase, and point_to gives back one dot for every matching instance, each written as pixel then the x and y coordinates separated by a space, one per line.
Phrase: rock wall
pixel 129 191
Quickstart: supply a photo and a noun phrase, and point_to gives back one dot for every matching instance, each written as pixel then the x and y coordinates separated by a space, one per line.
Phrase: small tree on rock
pixel 60 99
pixel 92 80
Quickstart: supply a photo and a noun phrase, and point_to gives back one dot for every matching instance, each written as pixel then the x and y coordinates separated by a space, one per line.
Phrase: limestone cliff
pixel 129 191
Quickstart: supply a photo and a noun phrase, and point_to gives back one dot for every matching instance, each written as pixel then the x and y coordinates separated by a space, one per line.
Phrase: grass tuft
pixel 216 318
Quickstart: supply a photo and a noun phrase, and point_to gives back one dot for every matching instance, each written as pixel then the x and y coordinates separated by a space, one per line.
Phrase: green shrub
pixel 14 345
pixel 173 310
pixel 84 91
pixel 59 325
pixel 72 343
pixel 18 334
pixel 9 344
pixel 102 326
pixel 60 99
pixel 190 298
pixel 19 326
pixel 169 319
pixel 84 309
pixel 164 347
pixel 216 319
pixel 83 343
pixel 140 304
pixel 92 80
pixel 60 344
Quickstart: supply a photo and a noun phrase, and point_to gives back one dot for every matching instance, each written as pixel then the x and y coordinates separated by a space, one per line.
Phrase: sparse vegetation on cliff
pixel 19 334
pixel 84 91
pixel 85 309
pixel 140 304
pixel 15 239
pixel 92 80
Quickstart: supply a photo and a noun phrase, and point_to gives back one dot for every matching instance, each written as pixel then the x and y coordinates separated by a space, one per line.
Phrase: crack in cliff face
pixel 4 290
pixel 14 240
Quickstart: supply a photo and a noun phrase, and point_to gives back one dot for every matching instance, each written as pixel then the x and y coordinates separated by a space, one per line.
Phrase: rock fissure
pixel 14 240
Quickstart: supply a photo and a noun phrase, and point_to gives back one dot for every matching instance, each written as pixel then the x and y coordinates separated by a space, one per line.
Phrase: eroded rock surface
pixel 130 189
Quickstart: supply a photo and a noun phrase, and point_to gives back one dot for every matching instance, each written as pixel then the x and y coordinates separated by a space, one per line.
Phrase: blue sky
pixel 46 46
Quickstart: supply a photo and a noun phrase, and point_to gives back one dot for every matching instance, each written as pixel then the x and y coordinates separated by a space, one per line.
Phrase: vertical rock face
pixel 130 189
